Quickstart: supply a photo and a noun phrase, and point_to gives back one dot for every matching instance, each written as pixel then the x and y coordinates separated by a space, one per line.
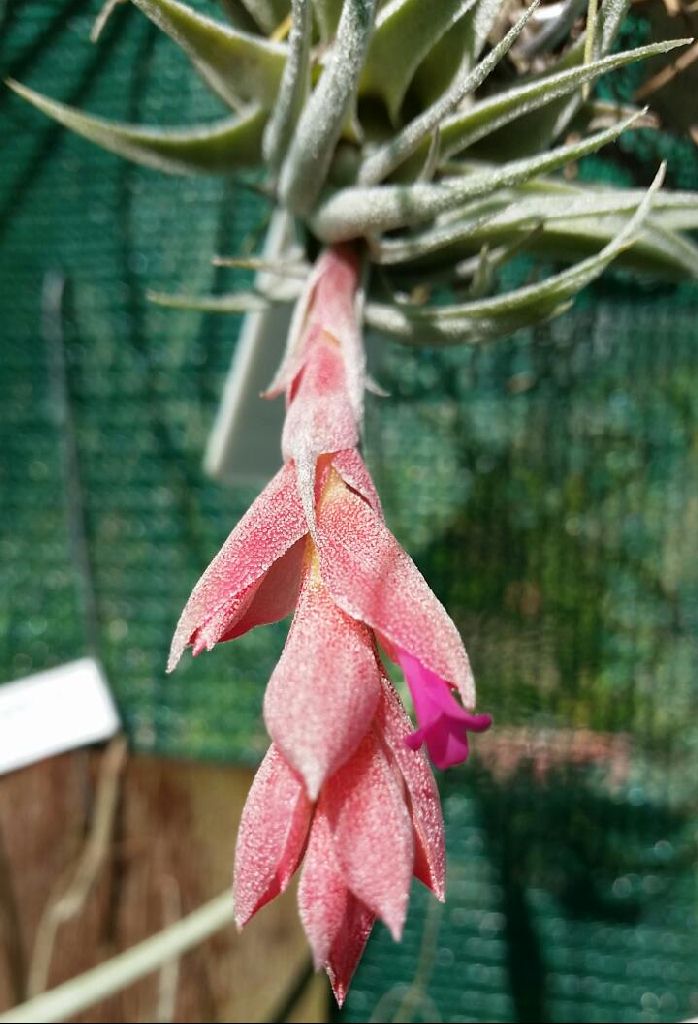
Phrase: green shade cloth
pixel 546 486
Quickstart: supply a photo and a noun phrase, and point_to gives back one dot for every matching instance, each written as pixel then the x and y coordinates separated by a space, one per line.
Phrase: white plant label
pixel 54 711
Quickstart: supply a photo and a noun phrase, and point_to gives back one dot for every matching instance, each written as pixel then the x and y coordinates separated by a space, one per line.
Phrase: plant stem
pixel 74 996
pixel 590 38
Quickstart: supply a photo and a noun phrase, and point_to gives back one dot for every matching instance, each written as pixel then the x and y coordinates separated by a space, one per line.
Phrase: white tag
pixel 54 711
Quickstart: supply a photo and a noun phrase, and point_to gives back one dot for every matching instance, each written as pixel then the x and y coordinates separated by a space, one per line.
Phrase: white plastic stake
pixel 244 446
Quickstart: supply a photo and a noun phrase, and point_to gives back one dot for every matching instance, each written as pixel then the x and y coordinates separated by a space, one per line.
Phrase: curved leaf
pixel 293 89
pixel 240 67
pixel 406 30
pixel 468 127
pixel 464 330
pixel 407 141
pixel 570 220
pixel 268 14
pixel 356 211
pixel 220 148
pixel 485 319
pixel 236 302
pixel 321 122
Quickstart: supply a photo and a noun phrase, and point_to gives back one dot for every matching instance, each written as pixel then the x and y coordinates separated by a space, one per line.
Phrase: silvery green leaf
pixel 538 129
pixel 294 87
pixel 237 302
pixel 563 212
pixel 405 32
pixel 395 321
pixel 557 201
pixel 238 16
pixel 488 115
pixel 377 166
pixel 654 250
pixel 610 18
pixel 268 14
pixel 276 268
pixel 358 210
pixel 485 17
pixel 327 13
pixel 678 252
pixel 240 67
pixel 219 148
pixel 322 120
pixel 449 58
pixel 488 318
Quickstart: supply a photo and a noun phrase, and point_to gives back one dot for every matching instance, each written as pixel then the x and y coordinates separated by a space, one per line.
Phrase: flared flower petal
pixel 443 723
pixel 274 597
pixel 374 580
pixel 393 724
pixel 324 692
pixel 228 588
pixel 272 835
pixel 372 832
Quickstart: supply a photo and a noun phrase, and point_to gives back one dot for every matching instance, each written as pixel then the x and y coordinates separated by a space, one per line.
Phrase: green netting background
pixel 547 487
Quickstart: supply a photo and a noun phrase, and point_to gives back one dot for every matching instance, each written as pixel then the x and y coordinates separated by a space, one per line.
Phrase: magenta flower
pixel 443 722
pixel 344 786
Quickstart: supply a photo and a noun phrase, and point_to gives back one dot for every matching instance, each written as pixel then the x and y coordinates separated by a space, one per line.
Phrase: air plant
pixel 411 149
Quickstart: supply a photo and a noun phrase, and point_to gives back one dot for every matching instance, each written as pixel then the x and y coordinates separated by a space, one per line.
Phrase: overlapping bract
pixel 345 785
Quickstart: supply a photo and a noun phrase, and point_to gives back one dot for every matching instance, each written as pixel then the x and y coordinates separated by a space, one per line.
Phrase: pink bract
pixel 376 823
pixel 374 580
pixel 345 788
pixel 323 693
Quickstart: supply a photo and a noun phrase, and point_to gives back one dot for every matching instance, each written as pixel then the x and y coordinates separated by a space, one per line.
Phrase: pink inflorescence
pixel 345 786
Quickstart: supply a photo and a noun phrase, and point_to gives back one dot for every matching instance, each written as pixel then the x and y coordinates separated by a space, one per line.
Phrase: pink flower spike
pixel 443 723
pixel 334 310
pixel 324 692
pixel 229 587
pixel 272 835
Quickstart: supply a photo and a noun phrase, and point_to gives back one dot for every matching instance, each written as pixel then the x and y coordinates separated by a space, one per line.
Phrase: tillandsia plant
pixel 412 146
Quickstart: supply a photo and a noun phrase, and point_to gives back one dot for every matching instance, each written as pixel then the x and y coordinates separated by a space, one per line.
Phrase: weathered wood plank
pixel 171 850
